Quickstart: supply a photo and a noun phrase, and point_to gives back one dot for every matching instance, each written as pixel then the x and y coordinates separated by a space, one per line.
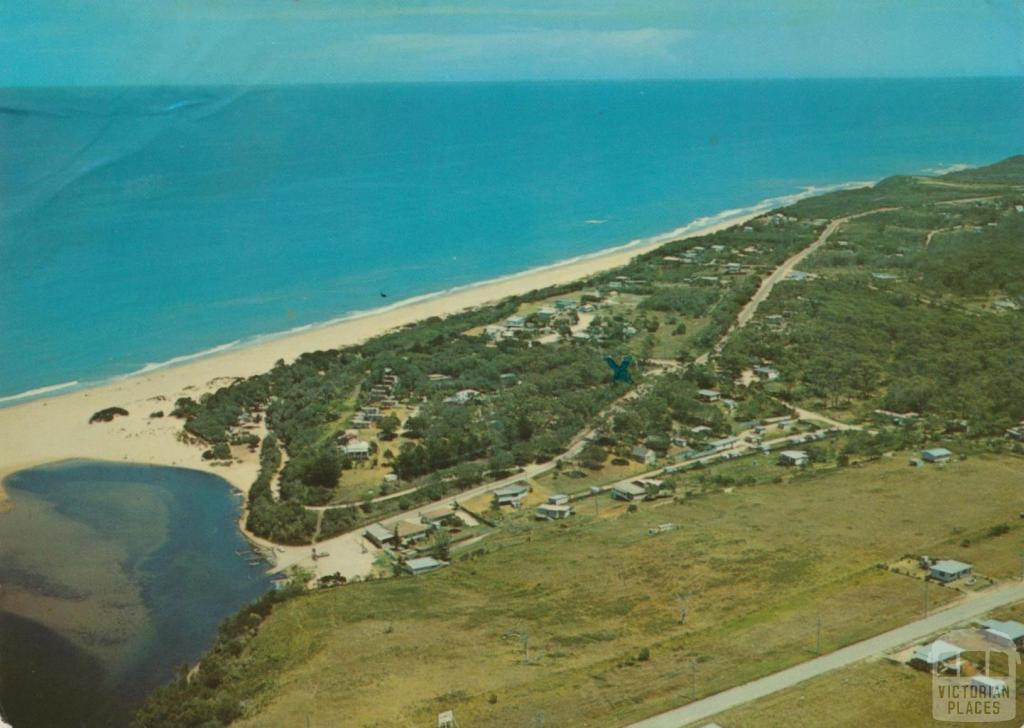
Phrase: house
pixel 708 395
pixel 768 374
pixel 515 322
pixel 797 275
pixel 1011 630
pixel 437 378
pixel 885 276
pixel 1005 304
pixel 565 304
pixel 378 535
pixel 644 455
pixel 949 570
pixel 370 414
pixel 723 444
pixel 558 499
pixel 462 396
pixel 650 484
pixel 939 656
pixel 701 430
pixel 358 450
pixel 511 495
pixel 936 455
pixel 629 492
pixel 391 478
pixel 422 565
pixel 991 687
pixel 546 313
pixel 733 268
pixel 493 331
pixel 798 458
pixel 1016 433
pixel 408 532
pixel 553 512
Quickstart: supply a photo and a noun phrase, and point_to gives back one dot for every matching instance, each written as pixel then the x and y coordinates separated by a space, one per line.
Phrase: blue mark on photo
pixel 620 372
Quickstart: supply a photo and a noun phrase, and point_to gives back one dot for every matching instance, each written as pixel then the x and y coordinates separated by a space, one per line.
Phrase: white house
pixel 798 458
pixel 937 655
pixel 644 455
pixel 511 495
pixel 949 570
pixel 462 396
pixel 628 492
pixel 422 565
pixel 708 395
pixel 552 512
pixel 358 450
pixel 936 455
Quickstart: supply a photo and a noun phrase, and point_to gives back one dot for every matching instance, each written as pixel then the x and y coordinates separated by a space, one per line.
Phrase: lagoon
pixel 112 576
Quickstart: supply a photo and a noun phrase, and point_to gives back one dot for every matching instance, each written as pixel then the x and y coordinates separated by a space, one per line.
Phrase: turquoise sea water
pixel 112 576
pixel 138 225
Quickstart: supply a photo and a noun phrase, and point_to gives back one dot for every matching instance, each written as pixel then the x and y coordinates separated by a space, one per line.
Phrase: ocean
pixel 113 577
pixel 139 226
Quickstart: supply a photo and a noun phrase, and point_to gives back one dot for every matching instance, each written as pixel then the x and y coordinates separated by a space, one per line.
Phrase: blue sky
pixel 72 42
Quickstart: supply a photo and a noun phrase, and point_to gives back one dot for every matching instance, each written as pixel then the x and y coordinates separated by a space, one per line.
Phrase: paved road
pixel 970 607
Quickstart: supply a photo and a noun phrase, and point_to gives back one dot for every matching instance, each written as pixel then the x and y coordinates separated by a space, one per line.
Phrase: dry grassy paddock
pixel 757 566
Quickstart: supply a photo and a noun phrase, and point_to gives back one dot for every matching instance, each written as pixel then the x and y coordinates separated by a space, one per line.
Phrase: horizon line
pixel 510 81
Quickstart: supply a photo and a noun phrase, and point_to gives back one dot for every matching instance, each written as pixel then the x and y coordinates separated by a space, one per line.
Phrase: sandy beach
pixel 57 428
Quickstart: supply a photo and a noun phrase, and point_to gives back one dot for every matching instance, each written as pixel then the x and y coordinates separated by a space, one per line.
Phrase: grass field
pixel 876 693
pixel 756 567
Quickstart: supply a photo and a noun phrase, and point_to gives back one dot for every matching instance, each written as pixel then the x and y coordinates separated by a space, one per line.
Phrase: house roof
pixel 358 446
pixel 793 454
pixel 1011 630
pixel 422 563
pixel 641 450
pixel 377 531
pixel 993 683
pixel 937 651
pixel 556 507
pixel 514 489
pixel 950 566
pixel 631 489
pixel 936 452
pixel 708 392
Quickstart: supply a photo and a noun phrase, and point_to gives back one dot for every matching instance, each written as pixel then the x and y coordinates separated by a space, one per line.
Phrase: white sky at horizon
pixel 115 42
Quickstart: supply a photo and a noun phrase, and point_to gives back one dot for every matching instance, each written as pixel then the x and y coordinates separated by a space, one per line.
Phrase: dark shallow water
pixel 111 577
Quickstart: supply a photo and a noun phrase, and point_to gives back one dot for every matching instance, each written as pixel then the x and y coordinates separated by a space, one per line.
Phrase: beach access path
pixel 970 607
